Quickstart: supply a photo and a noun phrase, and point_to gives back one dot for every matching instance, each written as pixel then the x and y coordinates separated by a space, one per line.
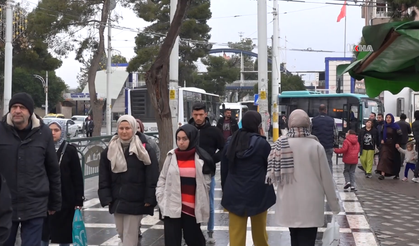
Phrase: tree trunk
pixel 157 81
pixel 96 105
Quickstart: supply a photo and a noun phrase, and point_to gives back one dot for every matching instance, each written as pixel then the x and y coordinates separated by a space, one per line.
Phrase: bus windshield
pixel 371 106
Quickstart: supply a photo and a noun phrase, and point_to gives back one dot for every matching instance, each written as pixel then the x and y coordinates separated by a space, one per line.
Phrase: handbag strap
pixel 62 152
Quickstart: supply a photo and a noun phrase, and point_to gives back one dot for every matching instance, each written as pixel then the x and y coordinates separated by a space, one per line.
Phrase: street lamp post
pixel 45 85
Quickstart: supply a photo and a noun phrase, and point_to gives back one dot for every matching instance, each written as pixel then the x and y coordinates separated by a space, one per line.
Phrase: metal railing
pixel 89 150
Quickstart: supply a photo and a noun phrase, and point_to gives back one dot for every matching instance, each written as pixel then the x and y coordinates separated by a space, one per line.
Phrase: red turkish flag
pixel 342 12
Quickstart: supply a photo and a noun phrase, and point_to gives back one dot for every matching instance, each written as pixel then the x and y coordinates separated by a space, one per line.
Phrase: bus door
pixel 351 118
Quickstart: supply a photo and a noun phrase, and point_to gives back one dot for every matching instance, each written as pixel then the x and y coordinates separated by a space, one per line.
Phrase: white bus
pixel 138 104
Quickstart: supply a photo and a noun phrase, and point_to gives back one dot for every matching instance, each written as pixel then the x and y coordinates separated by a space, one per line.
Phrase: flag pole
pixel 344 37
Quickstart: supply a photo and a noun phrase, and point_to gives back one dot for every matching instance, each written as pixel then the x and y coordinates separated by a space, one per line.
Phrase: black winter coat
pixel 128 192
pixel 5 211
pixel 31 169
pixel 211 139
pixel 244 190
pixel 58 227
pixel 233 124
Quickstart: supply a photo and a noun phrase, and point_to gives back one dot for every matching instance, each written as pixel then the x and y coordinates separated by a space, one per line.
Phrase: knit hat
pixel 23 98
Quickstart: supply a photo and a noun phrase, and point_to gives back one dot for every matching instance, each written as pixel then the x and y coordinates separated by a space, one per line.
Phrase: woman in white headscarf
pixel 128 173
pixel 298 166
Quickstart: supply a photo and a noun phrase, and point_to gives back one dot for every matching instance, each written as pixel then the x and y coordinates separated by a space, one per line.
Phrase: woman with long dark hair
pixel 390 162
pixel 243 172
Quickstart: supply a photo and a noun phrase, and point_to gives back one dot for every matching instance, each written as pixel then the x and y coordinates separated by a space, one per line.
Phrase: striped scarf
pixel 281 159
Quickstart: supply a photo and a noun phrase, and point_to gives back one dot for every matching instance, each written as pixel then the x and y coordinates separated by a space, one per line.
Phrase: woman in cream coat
pixel 183 189
pixel 298 166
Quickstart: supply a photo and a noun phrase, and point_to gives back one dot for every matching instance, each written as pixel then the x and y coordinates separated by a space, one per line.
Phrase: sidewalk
pixel 391 207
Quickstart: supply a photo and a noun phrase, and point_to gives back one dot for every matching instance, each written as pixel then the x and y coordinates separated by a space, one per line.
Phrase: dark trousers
pixel 89 134
pixel 30 232
pixel 417 163
pixel 303 236
pixel 191 231
pixel 409 166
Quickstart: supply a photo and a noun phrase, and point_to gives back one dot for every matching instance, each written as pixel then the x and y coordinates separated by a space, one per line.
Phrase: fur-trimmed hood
pixel 35 119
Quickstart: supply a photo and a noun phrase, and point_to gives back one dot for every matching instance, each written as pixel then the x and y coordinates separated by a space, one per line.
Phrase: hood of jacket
pixel 205 125
pixel 254 138
pixel 35 120
pixel 353 139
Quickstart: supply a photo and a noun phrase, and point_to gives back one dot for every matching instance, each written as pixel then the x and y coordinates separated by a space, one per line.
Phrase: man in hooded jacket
pixel 211 139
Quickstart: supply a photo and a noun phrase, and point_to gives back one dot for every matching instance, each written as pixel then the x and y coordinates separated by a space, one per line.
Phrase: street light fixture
pixel 45 85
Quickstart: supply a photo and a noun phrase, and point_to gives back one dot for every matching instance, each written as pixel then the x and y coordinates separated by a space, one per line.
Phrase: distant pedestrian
pixel 410 158
pixel 415 129
pixel 390 162
pixel 283 125
pixel 183 189
pixel 368 140
pixel 128 173
pixel 324 128
pixel 90 126
pixel 406 130
pixel 298 166
pixel 227 124
pixel 30 169
pixel 350 151
pixel 243 170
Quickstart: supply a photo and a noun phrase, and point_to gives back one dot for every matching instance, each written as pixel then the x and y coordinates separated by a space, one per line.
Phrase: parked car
pixel 80 121
pixel 49 116
pixel 72 128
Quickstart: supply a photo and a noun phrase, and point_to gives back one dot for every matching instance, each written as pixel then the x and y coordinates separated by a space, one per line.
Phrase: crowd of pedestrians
pixel 42 186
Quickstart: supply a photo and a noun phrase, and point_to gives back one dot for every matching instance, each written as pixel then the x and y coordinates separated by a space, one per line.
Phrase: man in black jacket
pixel 227 124
pixel 5 211
pixel 324 128
pixel 415 129
pixel 210 139
pixel 31 169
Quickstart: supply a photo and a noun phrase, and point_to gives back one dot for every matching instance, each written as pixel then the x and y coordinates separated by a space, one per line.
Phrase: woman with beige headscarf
pixel 298 166
pixel 128 174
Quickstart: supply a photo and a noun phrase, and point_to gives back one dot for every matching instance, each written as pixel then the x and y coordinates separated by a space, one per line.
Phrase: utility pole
pixel 174 76
pixel 8 57
pixel 263 62
pixel 46 92
pixel 112 5
pixel 276 72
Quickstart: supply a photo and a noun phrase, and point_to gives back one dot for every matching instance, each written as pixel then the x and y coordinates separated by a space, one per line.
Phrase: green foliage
pixel 119 59
pixel 24 81
pixel 289 82
pixel 220 72
pixel 194 36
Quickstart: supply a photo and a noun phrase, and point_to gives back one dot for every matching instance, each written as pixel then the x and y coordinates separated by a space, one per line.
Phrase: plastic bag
pixel 331 235
pixel 79 230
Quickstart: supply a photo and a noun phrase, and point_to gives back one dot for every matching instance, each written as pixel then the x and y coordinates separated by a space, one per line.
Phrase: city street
pixel 355 229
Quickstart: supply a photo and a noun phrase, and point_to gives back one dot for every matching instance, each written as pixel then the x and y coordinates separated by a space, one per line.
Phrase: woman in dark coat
pixel 390 162
pixel 58 227
pixel 243 172
pixel 128 174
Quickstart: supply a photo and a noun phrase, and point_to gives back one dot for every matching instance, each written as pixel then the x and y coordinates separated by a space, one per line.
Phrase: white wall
pixel 390 102
pixel 332 77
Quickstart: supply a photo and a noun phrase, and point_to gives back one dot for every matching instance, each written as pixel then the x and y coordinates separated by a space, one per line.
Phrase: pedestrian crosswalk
pixel 355 229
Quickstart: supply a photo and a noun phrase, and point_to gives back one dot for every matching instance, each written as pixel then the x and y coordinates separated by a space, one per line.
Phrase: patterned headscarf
pixel 63 127
pixel 281 159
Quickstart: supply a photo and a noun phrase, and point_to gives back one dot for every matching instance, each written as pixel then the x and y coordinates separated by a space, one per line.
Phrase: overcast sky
pixel 312 24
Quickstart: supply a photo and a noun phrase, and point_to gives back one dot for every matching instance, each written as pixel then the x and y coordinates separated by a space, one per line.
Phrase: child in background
pixel 410 157
pixel 350 151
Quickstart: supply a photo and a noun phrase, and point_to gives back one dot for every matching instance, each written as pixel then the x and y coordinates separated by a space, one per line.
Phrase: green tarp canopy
pixel 394 63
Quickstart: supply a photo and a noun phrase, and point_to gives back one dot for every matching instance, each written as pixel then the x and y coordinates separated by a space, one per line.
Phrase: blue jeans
pixel 210 226
pixel 31 232
pixel 329 155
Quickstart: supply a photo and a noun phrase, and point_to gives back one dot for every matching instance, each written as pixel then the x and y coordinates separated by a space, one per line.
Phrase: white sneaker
pixel 210 239
pixel 416 180
pixel 348 185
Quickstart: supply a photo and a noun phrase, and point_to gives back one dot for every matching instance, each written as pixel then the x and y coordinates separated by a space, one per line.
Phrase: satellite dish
pixel 112 4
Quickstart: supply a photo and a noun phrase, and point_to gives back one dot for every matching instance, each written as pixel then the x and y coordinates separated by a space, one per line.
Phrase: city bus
pixel 350 111
pixel 138 104
pixel 237 110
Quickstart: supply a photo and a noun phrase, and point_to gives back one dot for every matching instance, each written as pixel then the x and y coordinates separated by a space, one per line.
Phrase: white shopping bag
pixel 331 235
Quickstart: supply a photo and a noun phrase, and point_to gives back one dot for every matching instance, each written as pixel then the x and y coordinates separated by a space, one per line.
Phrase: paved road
pixel 355 229
pixel 391 207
